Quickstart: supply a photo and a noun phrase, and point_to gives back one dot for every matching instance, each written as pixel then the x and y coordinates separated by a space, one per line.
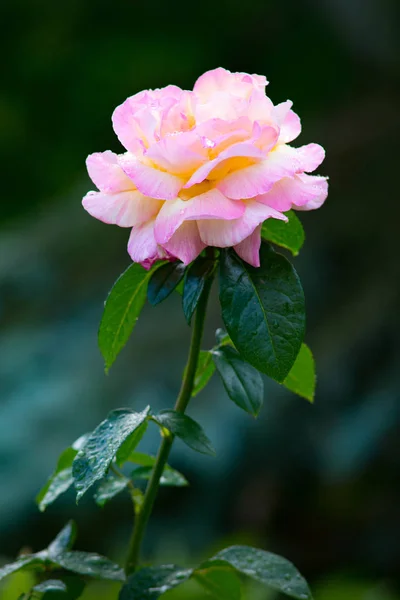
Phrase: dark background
pixel 319 484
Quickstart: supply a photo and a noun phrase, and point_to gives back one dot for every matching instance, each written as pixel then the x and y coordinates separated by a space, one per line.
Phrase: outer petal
pixel 149 180
pixel 249 249
pixel 125 209
pixel 309 157
pixel 210 205
pixel 224 234
pixel 302 192
pixel 137 120
pixel 317 188
pixel 105 172
pixel 217 80
pixel 288 121
pixel 142 247
pixel 185 244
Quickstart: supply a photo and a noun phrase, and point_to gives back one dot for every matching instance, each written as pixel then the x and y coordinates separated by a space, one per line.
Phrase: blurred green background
pixel 319 484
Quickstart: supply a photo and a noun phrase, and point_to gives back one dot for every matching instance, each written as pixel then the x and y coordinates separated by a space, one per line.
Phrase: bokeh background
pixel 319 484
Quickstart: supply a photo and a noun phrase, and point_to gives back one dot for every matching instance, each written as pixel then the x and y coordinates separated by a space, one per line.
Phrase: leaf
pixel 151 582
pixel 101 447
pixel 270 569
pixel 186 429
pixel 64 540
pixel 121 311
pixel 91 564
pixel 196 277
pixel 222 338
pixel 170 477
pixel 204 371
pixel 130 444
pixel 221 583
pixel 242 382
pixel 148 461
pixel 61 480
pixel 288 235
pixel 51 585
pixel 302 379
pixel 29 561
pixel 109 487
pixel 70 588
pixel 263 310
pixel 164 280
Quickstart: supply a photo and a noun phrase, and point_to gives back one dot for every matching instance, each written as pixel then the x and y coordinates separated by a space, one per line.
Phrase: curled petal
pixel 125 209
pixel 179 154
pixel 239 150
pixel 302 192
pixel 249 249
pixel 224 234
pixel 259 178
pixel 142 246
pixel 289 122
pixel 137 120
pixel 210 205
pixel 221 80
pixel 149 180
pixel 317 189
pixel 309 157
pixel 105 172
pixel 185 244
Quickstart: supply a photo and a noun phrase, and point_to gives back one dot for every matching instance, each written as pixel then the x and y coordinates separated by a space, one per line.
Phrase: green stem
pixel 182 401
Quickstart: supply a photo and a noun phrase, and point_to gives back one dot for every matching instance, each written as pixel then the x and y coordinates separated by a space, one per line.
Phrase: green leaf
pixel 170 477
pixel 288 235
pixel 101 447
pixel 109 487
pixel 130 444
pixel 242 382
pixel 64 540
pixel 302 379
pixel 70 588
pixel 30 561
pixel 91 564
pixel 270 569
pixel 204 371
pixel 221 583
pixel 61 480
pixel 196 277
pixel 52 585
pixel 152 582
pixel 186 429
pixel 148 461
pixel 223 338
pixel 121 311
pixel 164 280
pixel 263 310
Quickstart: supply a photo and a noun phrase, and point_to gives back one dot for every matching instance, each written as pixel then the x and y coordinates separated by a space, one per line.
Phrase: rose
pixel 203 168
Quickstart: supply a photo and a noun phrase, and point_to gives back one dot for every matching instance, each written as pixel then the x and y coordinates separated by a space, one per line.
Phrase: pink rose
pixel 203 168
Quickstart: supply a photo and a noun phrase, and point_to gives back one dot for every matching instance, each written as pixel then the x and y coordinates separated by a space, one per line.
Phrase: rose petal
pixel 105 172
pixel 224 234
pixel 249 249
pixel 185 244
pixel 289 122
pixel 300 192
pixel 125 209
pixel 150 181
pixel 210 205
pixel 142 246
